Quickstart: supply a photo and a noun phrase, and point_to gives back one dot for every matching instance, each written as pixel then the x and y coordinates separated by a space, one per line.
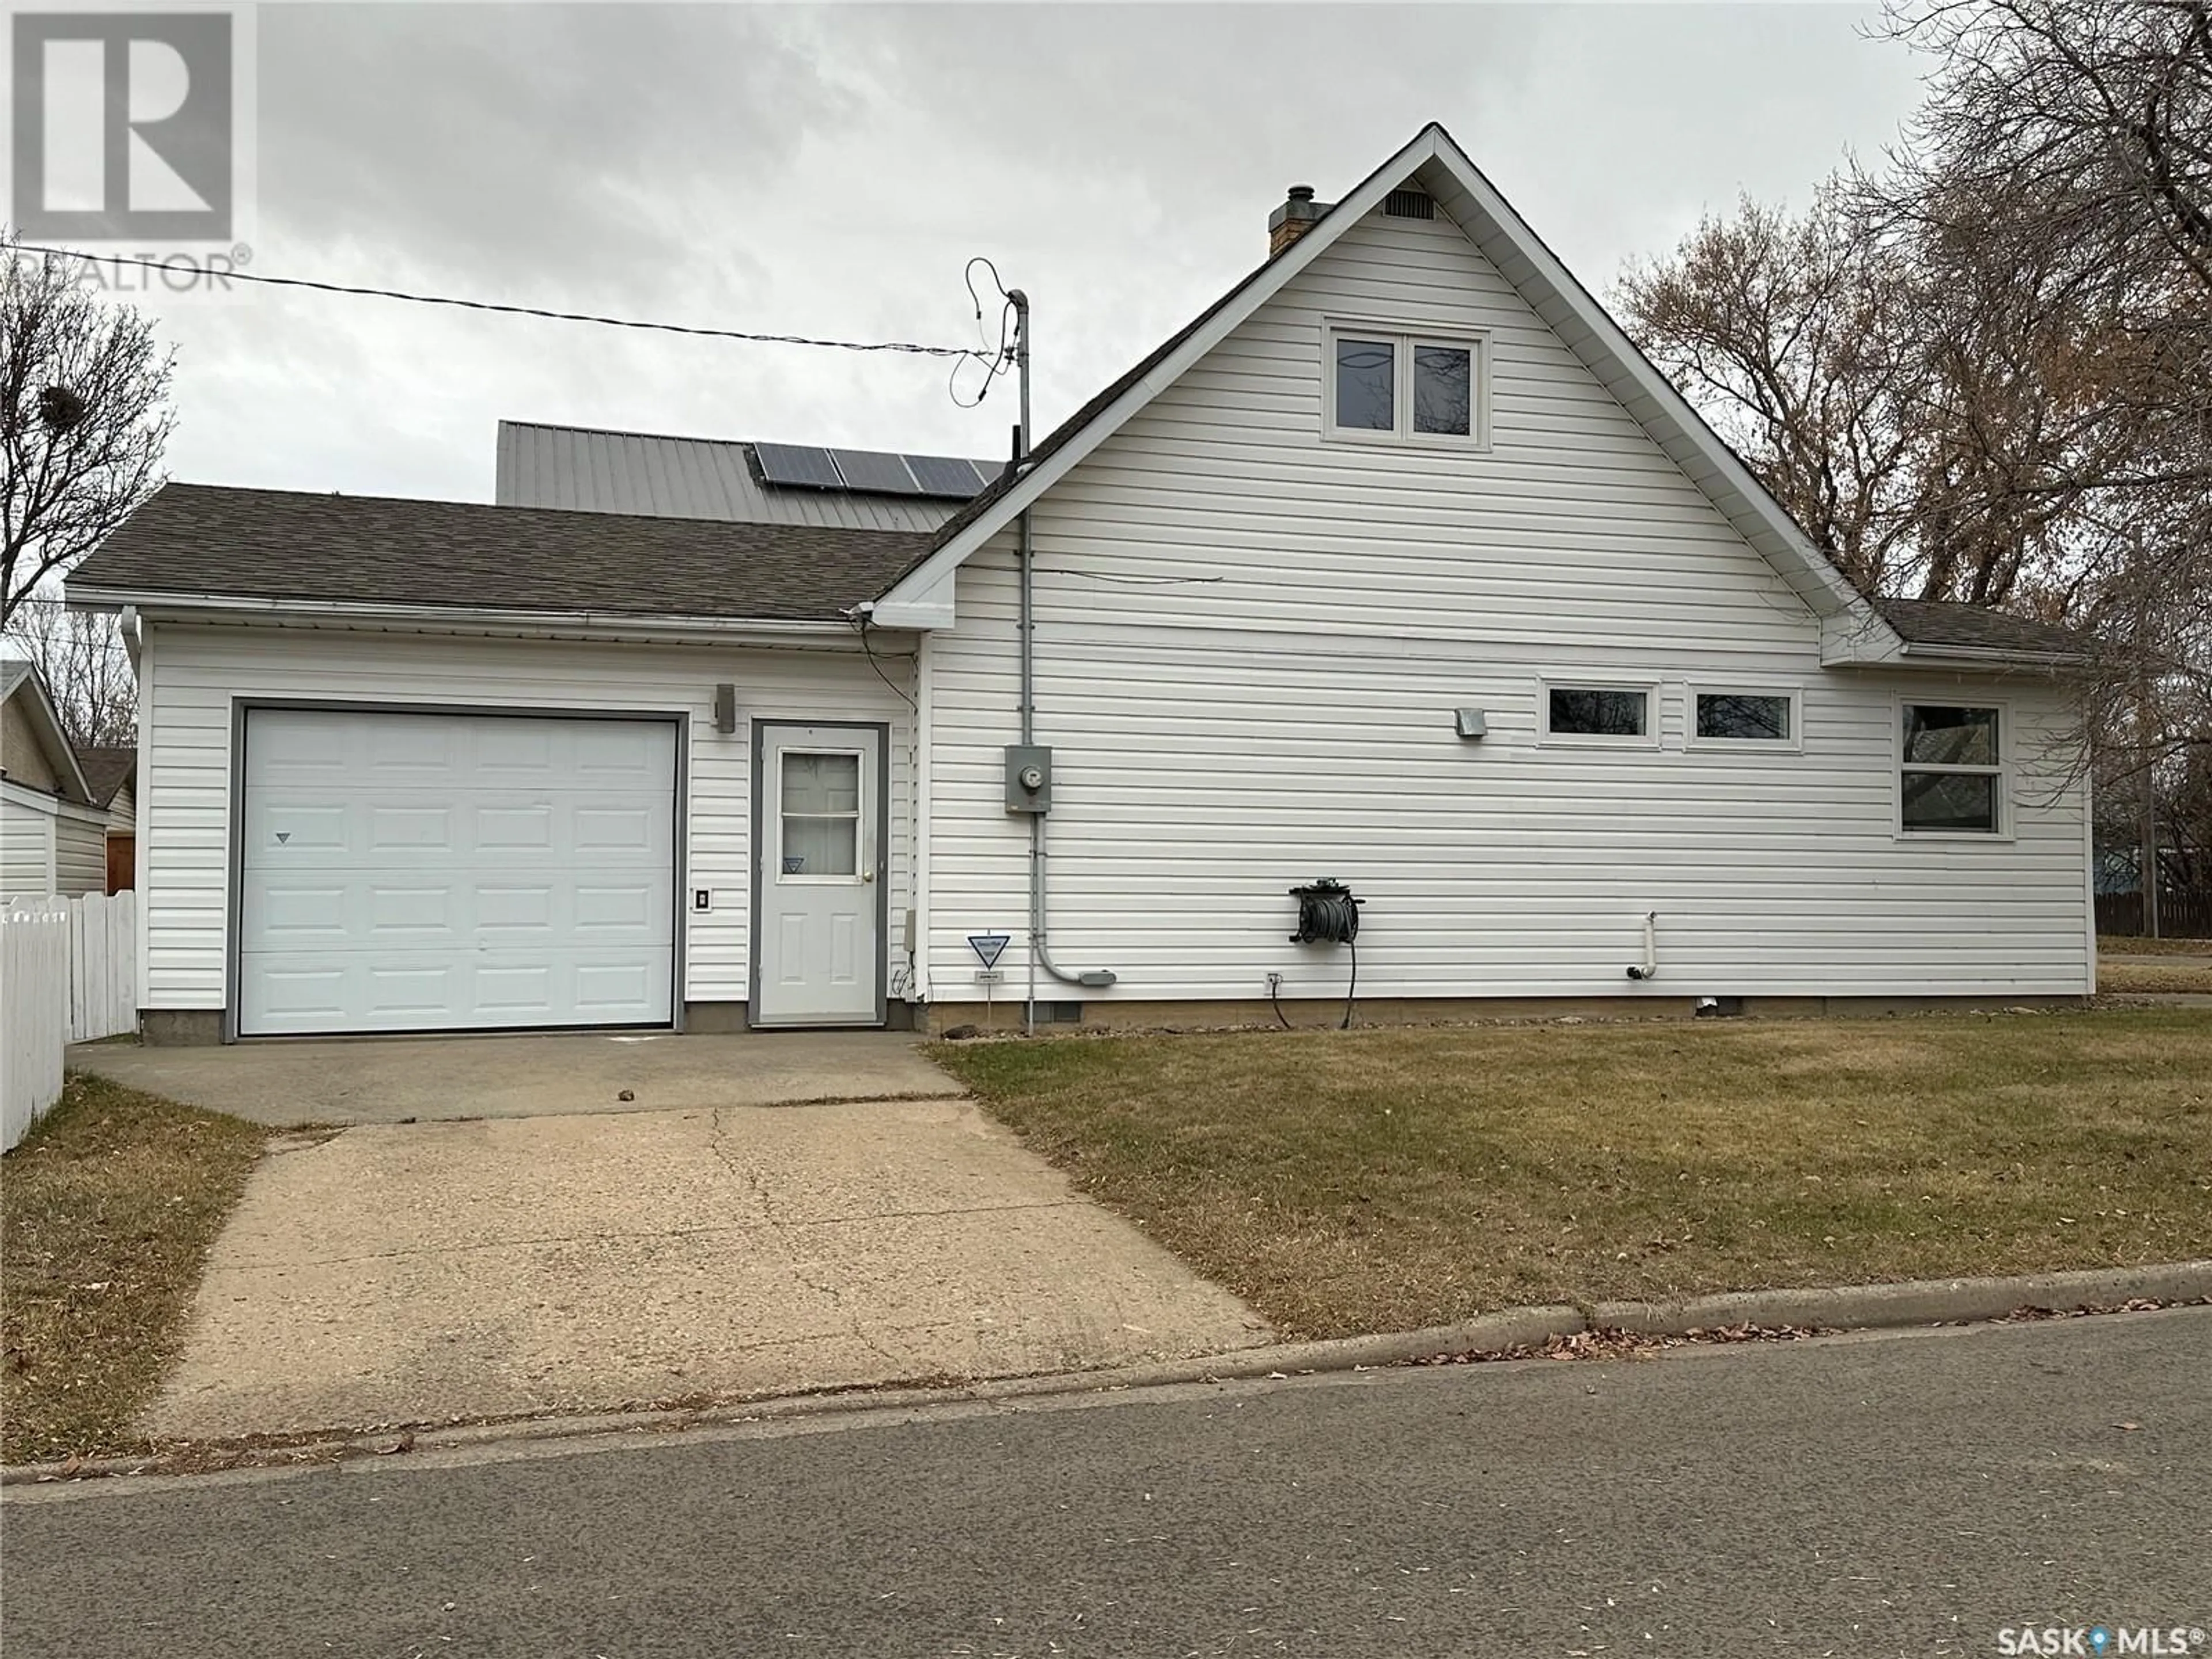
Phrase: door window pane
pixel 1742 718
pixel 1590 711
pixel 1950 800
pixel 821 783
pixel 821 815
pixel 1937 736
pixel 820 847
pixel 1366 384
pixel 1443 389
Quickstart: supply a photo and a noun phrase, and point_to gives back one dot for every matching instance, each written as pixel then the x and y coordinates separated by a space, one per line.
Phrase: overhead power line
pixel 909 347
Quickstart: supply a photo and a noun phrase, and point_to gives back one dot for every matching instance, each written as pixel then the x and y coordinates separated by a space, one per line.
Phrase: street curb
pixel 1517 1331
pixel 1916 1302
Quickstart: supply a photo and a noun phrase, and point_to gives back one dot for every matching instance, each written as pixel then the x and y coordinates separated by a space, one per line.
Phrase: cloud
pixel 829 171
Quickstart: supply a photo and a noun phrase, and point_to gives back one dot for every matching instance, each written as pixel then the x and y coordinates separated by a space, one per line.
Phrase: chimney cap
pixel 1302 192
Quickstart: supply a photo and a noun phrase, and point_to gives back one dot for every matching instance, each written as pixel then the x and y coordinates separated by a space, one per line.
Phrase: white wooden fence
pixel 69 973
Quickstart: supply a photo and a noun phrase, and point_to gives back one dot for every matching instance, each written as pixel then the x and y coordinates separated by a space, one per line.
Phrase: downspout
pixel 1025 561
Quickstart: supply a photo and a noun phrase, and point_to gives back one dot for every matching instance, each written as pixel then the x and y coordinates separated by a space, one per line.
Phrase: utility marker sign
pixel 989 948
pixel 134 127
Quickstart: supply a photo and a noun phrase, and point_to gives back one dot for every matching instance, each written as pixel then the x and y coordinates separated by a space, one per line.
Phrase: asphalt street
pixel 1920 1493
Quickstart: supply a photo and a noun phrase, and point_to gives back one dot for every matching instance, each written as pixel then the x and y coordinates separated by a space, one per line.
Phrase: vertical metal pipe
pixel 1026 557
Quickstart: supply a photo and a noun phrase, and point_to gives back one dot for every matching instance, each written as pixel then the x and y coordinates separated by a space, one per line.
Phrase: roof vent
pixel 1409 205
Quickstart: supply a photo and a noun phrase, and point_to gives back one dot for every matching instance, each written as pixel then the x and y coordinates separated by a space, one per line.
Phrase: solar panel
pixel 873 471
pixel 947 476
pixel 800 466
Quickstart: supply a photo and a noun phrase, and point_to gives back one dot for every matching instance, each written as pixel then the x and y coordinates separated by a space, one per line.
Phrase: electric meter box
pixel 1029 777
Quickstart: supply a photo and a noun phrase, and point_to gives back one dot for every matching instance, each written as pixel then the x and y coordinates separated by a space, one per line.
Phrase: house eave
pixel 584 625
pixel 1990 659
pixel 55 806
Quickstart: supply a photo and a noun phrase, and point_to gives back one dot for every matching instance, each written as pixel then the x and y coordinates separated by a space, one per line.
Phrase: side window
pixel 1953 770
pixel 1598 711
pixel 1744 717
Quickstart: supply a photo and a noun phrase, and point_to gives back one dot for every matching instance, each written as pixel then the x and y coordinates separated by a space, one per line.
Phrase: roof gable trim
pixel 1557 299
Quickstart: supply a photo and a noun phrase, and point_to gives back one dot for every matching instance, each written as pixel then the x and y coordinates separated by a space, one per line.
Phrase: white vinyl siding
pixel 80 852
pixel 27 850
pixel 1250 642
pixel 197 672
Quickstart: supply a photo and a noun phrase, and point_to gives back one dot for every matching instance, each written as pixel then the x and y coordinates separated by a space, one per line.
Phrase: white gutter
pixel 364 611
pixel 1985 657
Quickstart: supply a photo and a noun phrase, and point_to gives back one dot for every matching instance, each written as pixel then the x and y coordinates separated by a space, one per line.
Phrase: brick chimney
pixel 1297 216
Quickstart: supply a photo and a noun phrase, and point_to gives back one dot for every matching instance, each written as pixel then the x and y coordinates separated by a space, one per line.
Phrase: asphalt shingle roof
pixel 1944 622
pixel 278 544
pixel 106 769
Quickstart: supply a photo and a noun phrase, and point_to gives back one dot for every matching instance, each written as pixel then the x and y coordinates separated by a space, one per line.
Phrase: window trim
pixel 1649 738
pixel 1404 338
pixel 1794 695
pixel 2001 770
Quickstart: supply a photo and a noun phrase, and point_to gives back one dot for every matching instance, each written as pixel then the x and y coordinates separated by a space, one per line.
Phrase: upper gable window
pixel 1385 386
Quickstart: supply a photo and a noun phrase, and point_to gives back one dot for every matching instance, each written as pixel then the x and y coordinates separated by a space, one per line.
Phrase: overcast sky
pixel 828 171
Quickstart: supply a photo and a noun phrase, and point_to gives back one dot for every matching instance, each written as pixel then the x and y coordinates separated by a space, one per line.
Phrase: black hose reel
pixel 1329 915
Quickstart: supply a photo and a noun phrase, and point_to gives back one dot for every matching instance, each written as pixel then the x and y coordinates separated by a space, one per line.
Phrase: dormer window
pixel 1385 385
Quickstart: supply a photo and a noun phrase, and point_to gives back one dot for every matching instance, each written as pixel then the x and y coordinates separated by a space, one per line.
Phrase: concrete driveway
pixel 396 1273
pixel 405 1080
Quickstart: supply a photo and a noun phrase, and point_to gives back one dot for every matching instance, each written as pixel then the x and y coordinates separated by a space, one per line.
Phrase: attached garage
pixel 425 871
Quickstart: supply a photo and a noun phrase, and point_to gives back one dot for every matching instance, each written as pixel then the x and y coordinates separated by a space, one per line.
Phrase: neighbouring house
pixel 111 773
pixel 53 822
pixel 1399 565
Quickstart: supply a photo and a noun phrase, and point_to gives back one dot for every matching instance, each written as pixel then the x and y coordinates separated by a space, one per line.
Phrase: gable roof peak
pixel 1474 204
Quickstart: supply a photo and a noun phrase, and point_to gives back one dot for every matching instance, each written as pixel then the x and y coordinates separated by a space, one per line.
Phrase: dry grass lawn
pixel 1387 1179
pixel 2119 944
pixel 107 1212
pixel 2122 978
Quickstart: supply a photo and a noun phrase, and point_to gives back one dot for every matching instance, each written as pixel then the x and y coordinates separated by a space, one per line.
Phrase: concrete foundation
pixel 1131 1015
pixel 716 1019
pixel 189 1028
pixel 180 1028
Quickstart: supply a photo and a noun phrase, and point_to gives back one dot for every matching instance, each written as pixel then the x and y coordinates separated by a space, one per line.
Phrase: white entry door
pixel 821 869
pixel 425 872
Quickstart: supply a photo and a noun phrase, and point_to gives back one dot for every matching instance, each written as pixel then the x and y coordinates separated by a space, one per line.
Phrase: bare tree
pixel 1797 338
pixel 2061 171
pixel 83 420
pixel 81 655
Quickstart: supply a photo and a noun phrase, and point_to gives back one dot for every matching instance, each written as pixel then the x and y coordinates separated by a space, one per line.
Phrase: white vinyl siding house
pixel 1251 640
pixel 1514 647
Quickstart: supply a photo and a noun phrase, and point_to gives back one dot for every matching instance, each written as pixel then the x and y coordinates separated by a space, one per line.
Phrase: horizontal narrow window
pixel 1598 711
pixel 1744 717
pixel 1952 772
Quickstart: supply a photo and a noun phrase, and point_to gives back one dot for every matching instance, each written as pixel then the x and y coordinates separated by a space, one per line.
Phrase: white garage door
pixel 447 872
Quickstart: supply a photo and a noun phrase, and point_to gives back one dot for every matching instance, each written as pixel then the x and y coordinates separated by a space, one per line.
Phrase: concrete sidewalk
pixel 423 1272
pixel 427 1079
